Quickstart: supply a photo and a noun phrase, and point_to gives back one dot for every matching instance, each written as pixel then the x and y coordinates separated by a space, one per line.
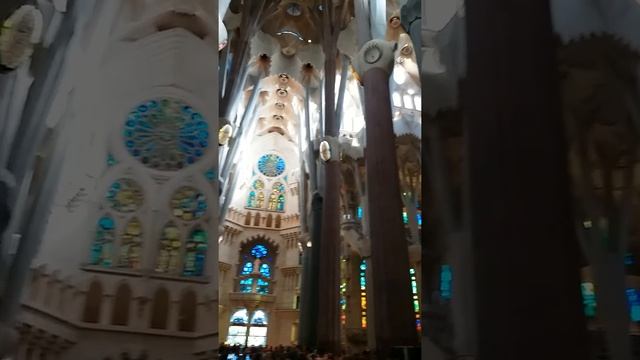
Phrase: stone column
pixel 393 321
pixel 527 292
pixel 310 291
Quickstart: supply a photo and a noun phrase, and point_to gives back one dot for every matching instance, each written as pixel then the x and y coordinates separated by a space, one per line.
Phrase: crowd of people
pixel 237 352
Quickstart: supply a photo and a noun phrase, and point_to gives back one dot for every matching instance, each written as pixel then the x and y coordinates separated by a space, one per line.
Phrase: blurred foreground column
pixel 526 255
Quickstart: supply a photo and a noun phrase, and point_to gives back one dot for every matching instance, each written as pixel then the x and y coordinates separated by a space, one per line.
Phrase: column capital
pixel 375 54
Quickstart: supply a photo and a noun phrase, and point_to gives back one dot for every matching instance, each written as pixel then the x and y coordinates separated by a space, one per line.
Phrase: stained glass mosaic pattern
pixel 263 287
pixel 251 200
pixel 276 198
pixel 170 246
pixel 102 249
pixel 166 134
pixel 265 270
pixel 258 184
pixel 259 251
pixel 271 165
pixel 188 204
pixel 246 285
pixel 131 245
pixel 247 268
pixel 196 252
pixel 125 196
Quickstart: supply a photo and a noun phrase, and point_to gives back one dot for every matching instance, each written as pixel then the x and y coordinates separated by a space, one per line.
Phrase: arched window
pixel 269 220
pixel 260 200
pixel 170 246
pixel 125 196
pixel 276 198
pixel 280 206
pixel 251 200
pixel 93 303
pixel 256 271
pixel 196 253
pixel 188 307
pixel 188 204
pixel 273 202
pixel 245 332
pixel 160 309
pixel 247 219
pixel 278 221
pixel 131 245
pixel 120 315
pixel 102 249
pixel 256 221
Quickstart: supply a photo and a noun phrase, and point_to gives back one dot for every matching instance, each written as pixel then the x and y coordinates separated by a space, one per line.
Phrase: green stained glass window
pixel 166 134
pixel 196 252
pixel 125 196
pixel 102 249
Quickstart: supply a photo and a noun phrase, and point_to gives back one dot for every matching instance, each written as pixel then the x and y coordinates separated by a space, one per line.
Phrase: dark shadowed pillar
pixel 526 255
pixel 393 321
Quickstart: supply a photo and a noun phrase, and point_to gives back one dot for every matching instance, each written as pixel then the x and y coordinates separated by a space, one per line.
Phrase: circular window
pixel 188 204
pixel 271 165
pixel 259 251
pixel 125 196
pixel 166 134
pixel 258 184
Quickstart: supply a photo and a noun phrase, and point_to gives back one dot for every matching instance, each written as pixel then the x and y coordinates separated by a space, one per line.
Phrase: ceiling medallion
pixel 280 106
pixel 372 54
pixel 406 50
pixel 278 117
pixel 283 78
pixel 282 92
pixel 19 33
pixel 395 22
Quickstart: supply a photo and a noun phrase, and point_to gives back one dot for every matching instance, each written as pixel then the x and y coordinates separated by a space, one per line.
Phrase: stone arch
pixel 269 221
pixel 160 309
pixel 188 311
pixel 278 221
pixel 93 302
pixel 121 305
pixel 256 220
pixel 247 219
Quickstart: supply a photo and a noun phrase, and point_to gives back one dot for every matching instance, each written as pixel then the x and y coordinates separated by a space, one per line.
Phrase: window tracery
pixel 131 245
pixel 196 252
pixel 170 247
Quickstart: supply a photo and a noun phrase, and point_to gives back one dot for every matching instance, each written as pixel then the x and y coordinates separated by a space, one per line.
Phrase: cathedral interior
pixel 370 179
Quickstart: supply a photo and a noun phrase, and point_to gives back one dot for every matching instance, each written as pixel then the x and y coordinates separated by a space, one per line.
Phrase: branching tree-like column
pixel 527 281
pixel 334 19
pixel 393 321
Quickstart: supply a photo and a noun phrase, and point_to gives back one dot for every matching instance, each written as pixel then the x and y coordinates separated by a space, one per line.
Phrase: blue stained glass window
pixel 111 160
pixel 166 134
pixel 628 259
pixel 634 304
pixel 445 282
pixel 102 249
pixel 240 317
pixel 246 285
pixel 196 252
pixel 405 217
pixel 419 218
pixel 247 268
pixel 359 212
pixel 251 200
pixel 588 299
pixel 265 270
pixel 259 251
pixel 259 318
pixel 271 165
pixel 280 202
pixel 210 174
pixel 263 287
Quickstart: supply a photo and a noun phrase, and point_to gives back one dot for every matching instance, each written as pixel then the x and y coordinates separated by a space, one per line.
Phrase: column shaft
pixel 393 321
pixel 526 256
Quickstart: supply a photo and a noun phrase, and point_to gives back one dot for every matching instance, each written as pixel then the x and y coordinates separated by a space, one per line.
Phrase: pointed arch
pixel 273 201
pixel 269 220
pixel 196 253
pixel 188 310
pixel 131 245
pixel 278 221
pixel 160 309
pixel 256 220
pixel 251 200
pixel 260 200
pixel 93 303
pixel 247 218
pixel 170 247
pixel 102 249
pixel 121 304
pixel 280 203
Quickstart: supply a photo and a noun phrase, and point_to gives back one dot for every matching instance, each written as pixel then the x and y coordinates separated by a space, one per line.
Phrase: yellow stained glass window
pixel 131 245
pixel 170 244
